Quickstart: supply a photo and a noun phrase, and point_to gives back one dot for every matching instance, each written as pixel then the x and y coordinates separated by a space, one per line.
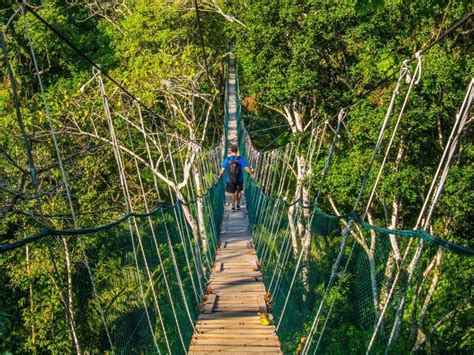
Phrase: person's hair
pixel 234 149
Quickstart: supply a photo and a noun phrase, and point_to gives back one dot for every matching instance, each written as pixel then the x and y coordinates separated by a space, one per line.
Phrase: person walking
pixel 235 166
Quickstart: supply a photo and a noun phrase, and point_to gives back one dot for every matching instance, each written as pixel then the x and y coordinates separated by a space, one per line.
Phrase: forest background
pixel 299 62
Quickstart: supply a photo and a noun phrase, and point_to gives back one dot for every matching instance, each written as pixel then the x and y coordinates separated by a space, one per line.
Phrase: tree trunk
pixel 421 336
pixel 301 228
pixel 373 268
pixel 305 201
pixel 373 283
pixel 70 297
pixel 396 208
pixel 200 209
pixel 388 278
pixel 405 283
pixel 393 225
pixel 188 215
pixel 293 229
pixel 30 295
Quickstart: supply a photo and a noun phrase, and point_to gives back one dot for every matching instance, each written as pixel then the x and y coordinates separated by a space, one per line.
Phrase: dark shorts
pixel 233 187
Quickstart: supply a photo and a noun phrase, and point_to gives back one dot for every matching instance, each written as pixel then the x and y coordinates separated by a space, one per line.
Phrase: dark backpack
pixel 234 169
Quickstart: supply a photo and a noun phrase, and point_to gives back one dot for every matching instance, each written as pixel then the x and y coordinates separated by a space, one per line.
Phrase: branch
pixel 360 240
pixel 212 6
pixel 12 161
pixel 129 152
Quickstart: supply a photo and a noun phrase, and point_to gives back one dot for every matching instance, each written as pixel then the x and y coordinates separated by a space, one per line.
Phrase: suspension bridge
pixel 235 316
pixel 279 276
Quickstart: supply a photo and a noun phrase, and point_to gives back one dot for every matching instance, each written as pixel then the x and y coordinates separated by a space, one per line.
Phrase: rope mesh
pixel 117 276
pixel 341 286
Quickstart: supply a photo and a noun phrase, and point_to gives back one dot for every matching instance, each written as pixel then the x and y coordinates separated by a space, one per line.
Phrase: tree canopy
pixel 299 63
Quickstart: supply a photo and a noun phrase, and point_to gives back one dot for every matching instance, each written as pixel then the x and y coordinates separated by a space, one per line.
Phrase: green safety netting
pixel 325 303
pixel 346 315
pixel 139 261
pixel 129 278
pixel 135 284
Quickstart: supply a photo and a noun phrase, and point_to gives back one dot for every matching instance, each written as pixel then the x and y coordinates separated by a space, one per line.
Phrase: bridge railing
pixel 329 288
pixel 133 285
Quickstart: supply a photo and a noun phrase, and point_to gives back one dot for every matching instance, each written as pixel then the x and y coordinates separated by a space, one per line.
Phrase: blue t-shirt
pixel 243 164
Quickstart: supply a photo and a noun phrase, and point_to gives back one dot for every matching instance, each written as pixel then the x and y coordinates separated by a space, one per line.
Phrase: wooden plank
pixel 251 307
pixel 227 318
pixel 217 267
pixel 242 267
pixel 237 293
pixel 248 297
pixel 254 265
pixel 232 285
pixel 237 353
pixel 228 335
pixel 236 273
pixel 233 309
pixel 234 349
pixel 209 304
pixel 254 287
pixel 237 253
pixel 237 329
pixel 237 288
pixel 245 267
pixel 230 275
pixel 229 321
pixel 225 280
pixel 234 342
pixel 236 250
pixel 240 259
pixel 262 305
pixel 222 352
pixel 241 316
pixel 236 238
pixel 236 282
pixel 232 256
pixel 233 301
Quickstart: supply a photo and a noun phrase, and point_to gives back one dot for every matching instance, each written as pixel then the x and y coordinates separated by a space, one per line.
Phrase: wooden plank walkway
pixel 234 314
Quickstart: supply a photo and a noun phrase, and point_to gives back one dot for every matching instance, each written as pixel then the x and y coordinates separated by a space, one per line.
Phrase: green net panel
pixel 332 300
pixel 129 279
pixel 348 314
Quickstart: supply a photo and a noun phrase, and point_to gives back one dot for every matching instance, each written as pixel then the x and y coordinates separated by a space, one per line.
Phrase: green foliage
pixel 146 47
pixel 311 57
pixel 314 57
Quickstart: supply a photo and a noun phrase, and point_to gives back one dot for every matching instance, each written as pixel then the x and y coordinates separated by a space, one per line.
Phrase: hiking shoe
pixel 233 209
pixel 238 207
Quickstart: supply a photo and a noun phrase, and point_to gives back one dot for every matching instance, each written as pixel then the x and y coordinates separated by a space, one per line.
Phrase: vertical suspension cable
pixel 445 161
pixel 152 229
pixel 181 233
pixel 65 180
pixel 16 101
pixel 126 193
pixel 173 256
pixel 403 73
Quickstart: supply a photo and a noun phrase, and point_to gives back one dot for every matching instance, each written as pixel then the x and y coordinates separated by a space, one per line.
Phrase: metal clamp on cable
pixel 419 56
pixel 347 229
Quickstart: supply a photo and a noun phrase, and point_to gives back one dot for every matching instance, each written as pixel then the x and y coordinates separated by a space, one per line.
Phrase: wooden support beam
pixel 217 267
pixel 254 265
pixel 262 305
pixel 209 304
